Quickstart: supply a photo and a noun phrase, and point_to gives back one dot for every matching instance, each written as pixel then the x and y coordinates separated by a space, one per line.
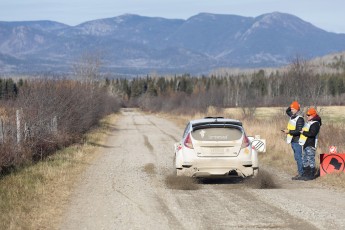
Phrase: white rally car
pixel 215 146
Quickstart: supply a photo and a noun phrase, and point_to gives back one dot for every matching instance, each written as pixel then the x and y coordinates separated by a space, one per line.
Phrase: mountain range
pixel 134 44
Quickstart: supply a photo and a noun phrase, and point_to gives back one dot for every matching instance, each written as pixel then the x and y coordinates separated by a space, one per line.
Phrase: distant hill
pixel 136 44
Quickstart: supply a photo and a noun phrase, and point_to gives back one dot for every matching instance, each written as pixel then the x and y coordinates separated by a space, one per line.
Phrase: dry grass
pixel 328 113
pixel 268 122
pixel 332 114
pixel 335 180
pixel 35 196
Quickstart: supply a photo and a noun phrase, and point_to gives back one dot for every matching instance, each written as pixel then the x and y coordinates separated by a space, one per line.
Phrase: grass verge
pixel 35 196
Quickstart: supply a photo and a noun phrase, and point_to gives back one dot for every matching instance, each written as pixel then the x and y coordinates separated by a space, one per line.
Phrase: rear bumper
pixel 218 167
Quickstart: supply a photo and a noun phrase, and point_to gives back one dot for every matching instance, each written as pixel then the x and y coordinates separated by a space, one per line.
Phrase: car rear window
pixel 217 134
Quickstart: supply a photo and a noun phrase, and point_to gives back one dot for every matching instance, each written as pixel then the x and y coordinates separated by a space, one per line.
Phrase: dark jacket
pixel 313 131
pixel 299 124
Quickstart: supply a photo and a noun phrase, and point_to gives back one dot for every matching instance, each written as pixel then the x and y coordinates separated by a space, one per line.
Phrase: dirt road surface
pixel 127 188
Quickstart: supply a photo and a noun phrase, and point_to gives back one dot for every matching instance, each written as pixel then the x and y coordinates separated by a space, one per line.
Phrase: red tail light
pixel 245 142
pixel 188 142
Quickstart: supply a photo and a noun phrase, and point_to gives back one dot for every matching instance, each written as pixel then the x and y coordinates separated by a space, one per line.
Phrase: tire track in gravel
pixel 289 221
pixel 148 145
pixel 154 174
pixel 163 131
pixel 172 219
pixel 132 201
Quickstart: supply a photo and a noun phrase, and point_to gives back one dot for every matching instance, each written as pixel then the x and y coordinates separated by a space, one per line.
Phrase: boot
pixel 299 177
pixel 296 177
pixel 311 174
pixel 306 173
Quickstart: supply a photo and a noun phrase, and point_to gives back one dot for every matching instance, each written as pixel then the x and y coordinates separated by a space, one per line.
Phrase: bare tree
pixel 88 66
pixel 304 83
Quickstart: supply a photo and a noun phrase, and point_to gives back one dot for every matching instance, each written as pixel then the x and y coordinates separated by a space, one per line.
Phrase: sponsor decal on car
pixel 218 138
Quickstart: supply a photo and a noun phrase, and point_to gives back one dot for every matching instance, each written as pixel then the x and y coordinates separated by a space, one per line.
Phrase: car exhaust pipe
pixel 233 173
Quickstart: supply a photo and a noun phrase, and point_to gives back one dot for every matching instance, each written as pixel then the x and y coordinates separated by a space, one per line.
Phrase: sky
pixel 328 15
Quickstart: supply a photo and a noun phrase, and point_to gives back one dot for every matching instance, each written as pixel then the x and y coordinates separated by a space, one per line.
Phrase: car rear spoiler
pixel 217 122
pixel 218 125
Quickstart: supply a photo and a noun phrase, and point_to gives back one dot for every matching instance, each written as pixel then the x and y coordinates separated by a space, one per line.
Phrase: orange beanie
pixel 295 105
pixel 311 112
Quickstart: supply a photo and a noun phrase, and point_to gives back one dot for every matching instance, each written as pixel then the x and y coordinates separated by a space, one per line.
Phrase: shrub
pixel 52 114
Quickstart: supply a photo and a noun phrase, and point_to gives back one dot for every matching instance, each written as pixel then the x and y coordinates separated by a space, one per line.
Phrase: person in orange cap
pixel 292 132
pixel 308 139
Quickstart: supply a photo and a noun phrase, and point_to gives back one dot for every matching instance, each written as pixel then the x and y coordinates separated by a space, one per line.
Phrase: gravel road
pixel 128 188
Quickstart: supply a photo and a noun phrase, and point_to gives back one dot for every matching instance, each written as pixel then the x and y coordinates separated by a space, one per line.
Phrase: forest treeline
pixel 9 88
pixel 186 93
